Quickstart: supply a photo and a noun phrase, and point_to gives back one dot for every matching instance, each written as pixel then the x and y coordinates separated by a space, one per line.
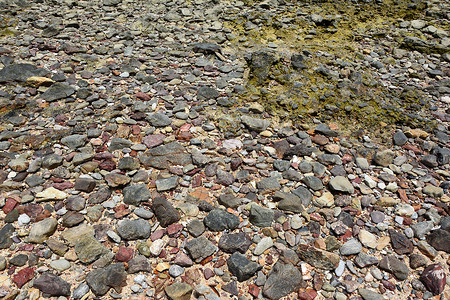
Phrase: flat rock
pixel 133 229
pixel 282 280
pixel 434 278
pixel 341 184
pixel 369 295
pixel 165 212
pixel 395 266
pixel 21 72
pixel 135 194
pixel 440 240
pixel 318 258
pixel 350 247
pixel 260 216
pixel 167 184
pixel 101 280
pixel 231 243
pixel 42 230
pixel 200 248
pixel 384 158
pixel 179 291
pixel 255 124
pixel 241 267
pixel 57 91
pixel 88 249
pixel 219 220
pixel 5 236
pixel 52 284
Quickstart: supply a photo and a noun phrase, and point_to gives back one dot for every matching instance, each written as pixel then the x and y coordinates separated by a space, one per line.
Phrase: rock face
pixel 241 267
pixel 53 285
pixel 282 280
pixel 101 280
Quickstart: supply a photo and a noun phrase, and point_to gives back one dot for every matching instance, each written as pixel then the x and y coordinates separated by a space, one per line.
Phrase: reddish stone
pixel 44 215
pixel 135 130
pixel 185 127
pixel 315 217
pixel 10 205
pixel 348 234
pixel 206 260
pixel 174 229
pixel 184 136
pixel 124 254
pixel 220 263
pixel 318 282
pixel 174 250
pixel 121 211
pixel 412 148
pixel 143 96
pixel 153 140
pixel 63 185
pixel 196 181
pixel 320 139
pixel 32 210
pixel 26 247
pixel 347 158
pixel 23 276
pixel 434 278
pixel 193 172
pixel 388 285
pixel 176 170
pixel 107 165
pixel 208 273
pixel 163 254
pixel 157 234
pixel 403 196
pixel 253 290
pixel 307 294
pixel 357 180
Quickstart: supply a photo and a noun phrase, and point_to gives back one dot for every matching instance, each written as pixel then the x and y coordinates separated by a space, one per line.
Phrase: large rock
pixel 88 249
pixel 260 216
pixel 200 248
pixel 400 243
pixel 57 91
pixel 135 194
pixel 230 243
pixel 219 220
pixel 5 236
pixel 288 202
pixel 21 72
pixel 165 212
pixel 167 184
pixel 282 280
pixel 133 229
pixel 341 184
pixel 52 284
pixel 101 280
pixel 395 266
pixel 318 258
pixel 434 278
pixel 164 156
pixel 255 124
pixel 42 230
pixel 440 240
pixel 384 158
pixel 241 267
pixel 179 291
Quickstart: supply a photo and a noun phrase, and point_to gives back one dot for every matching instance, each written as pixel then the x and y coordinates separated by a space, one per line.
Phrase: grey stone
pixel 395 266
pixel 119 143
pixel 179 291
pixel 384 158
pixel 400 138
pixel 206 92
pixel 219 220
pixel 229 200
pixel 159 120
pixel 42 230
pixel 369 295
pixel 133 229
pixel 167 184
pixel 269 184
pixel 313 182
pixel 74 141
pixel 282 280
pixel 81 290
pixel 341 184
pixel 255 124
pixel 5 236
pixel 195 228
pixel 289 202
pixel 57 91
pixel 363 260
pixel 241 267
pixel 21 72
pixel 135 194
pixel 128 164
pixel 88 249
pixel 139 264
pixel 421 229
pixel 260 216
pixel 350 247
pixel 200 248
pixel 101 280
pixel 51 161
pixel 440 240
pixel 231 243
pixel 165 212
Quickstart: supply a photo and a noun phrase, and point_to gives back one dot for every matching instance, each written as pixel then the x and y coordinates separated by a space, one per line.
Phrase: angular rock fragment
pixel 241 267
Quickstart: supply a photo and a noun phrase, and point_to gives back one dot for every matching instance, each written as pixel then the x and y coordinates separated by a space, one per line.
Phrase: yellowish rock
pixel 161 267
pixel 51 194
pixel 266 133
pixel 415 133
pixel 387 201
pixel 37 81
pixel 383 242
pixel 368 239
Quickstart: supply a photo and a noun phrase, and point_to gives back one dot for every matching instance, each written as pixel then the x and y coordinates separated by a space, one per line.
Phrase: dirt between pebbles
pixel 224 150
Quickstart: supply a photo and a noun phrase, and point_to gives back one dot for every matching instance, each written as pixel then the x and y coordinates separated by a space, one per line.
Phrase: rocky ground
pixel 224 149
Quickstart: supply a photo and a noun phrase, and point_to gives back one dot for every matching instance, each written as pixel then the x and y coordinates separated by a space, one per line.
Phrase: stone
pixel 135 194
pixel 219 220
pixel 5 236
pixel 72 235
pixel 282 280
pixel 139 264
pixel 195 228
pixel 86 185
pixel 363 260
pixel 21 72
pixel 421 229
pixel 179 291
pixel 165 212
pixel 369 295
pixel 23 276
pixel 231 243
pixel 434 278
pixel 119 144
pixel 313 183
pixel 133 229
pixel 417 261
pixel 200 248
pixel 116 180
pixel 264 244
pixel 229 200
pixel 318 258
pixel 19 260
pixel 60 265
pixel 341 184
pixel 260 216
pixel 51 194
pixel 56 246
pixel 384 158
pixel 159 120
pixel 88 249
pixel 51 161
pixel 440 240
pixel 368 239
pixel 433 191
pixel 167 184
pixel 52 285
pixel 206 92
pixel 241 267
pixel 399 138
pixel 74 141
pixel 224 178
pixel 350 247
pixel 128 164
pixel 101 280
pixel 289 202
pixel 42 230
pixel 255 124
pixel 395 266
pixel 400 243
pixel 81 290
